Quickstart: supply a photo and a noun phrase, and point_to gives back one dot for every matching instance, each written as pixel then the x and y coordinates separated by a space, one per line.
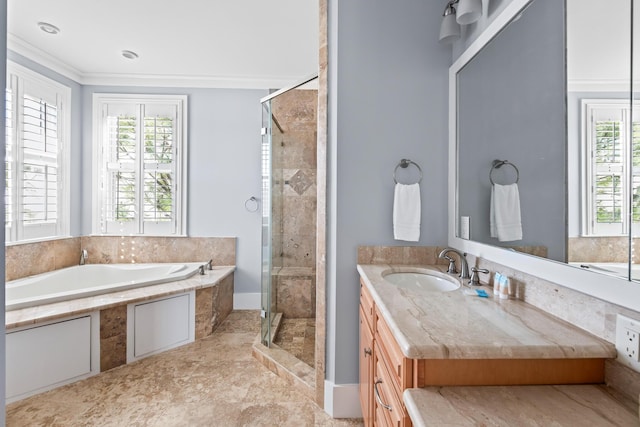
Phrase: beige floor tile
pixel 212 382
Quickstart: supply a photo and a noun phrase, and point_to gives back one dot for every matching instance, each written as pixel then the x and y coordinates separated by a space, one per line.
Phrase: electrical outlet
pixel 465 227
pixel 628 342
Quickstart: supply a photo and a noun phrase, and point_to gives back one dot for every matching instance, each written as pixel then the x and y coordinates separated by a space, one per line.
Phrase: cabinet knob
pixel 367 352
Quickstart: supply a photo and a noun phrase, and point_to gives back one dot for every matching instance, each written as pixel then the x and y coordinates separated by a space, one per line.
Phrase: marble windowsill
pixel 561 405
pixel 452 325
pixel 31 315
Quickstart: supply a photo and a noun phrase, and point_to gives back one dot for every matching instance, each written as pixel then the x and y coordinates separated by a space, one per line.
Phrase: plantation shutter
pixel 608 165
pixel 159 168
pixel 139 185
pixel 9 195
pixel 33 160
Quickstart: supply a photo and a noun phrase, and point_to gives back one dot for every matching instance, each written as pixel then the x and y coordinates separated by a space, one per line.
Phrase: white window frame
pixel 17 78
pixel 100 102
pixel 589 107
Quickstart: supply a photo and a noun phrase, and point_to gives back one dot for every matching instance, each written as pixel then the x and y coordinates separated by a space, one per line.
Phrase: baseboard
pixel 342 400
pixel 246 301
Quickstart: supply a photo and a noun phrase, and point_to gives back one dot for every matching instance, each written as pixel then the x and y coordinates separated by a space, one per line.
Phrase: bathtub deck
pixel 44 313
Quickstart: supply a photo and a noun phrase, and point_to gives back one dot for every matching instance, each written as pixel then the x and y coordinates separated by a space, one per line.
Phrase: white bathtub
pixel 90 280
pixel 620 269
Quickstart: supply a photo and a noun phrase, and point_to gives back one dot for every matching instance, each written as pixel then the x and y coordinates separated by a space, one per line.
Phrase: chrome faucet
pixel 464 267
pixel 83 256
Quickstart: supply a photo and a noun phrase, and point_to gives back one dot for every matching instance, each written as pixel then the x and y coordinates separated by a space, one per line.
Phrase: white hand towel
pixel 406 212
pixel 505 222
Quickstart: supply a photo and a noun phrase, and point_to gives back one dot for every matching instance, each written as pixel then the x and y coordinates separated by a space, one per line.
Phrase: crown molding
pixel 41 57
pixel 599 85
pixel 160 80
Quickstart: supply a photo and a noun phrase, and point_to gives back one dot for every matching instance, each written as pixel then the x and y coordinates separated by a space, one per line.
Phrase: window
pixel 36 160
pixel 139 147
pixel 612 151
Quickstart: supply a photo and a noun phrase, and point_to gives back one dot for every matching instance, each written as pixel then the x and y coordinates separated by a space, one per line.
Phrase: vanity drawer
pixel 389 410
pixel 400 367
pixel 366 301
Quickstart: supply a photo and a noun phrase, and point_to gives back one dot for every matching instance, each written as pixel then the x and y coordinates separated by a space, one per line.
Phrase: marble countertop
pixel 452 325
pixel 31 315
pixel 559 405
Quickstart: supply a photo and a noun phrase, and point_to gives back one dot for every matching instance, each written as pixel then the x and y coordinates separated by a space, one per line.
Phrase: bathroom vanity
pixel 416 343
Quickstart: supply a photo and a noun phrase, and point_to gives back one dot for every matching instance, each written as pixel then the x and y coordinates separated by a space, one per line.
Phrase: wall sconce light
pixel 467 12
pixel 449 28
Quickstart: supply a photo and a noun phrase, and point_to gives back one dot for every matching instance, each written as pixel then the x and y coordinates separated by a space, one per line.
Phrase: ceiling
pixel 193 43
pixel 599 49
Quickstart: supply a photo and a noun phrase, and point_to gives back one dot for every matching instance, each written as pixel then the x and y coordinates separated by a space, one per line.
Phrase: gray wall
pixel 223 168
pixel 223 164
pixel 490 9
pixel 387 101
pixel 511 105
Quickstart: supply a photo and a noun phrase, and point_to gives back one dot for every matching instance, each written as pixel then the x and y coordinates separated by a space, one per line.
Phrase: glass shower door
pixel 265 322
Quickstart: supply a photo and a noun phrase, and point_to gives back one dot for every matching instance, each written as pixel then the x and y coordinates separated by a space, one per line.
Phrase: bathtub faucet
pixel 83 256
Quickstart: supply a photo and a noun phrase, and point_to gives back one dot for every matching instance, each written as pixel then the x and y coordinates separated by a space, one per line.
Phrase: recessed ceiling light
pixel 129 54
pixel 48 28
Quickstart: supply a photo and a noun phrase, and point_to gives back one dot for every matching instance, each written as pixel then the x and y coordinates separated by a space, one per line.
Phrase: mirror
pixel 511 106
pixel 517 102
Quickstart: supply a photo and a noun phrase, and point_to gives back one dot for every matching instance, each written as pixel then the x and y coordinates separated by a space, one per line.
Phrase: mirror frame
pixel 622 292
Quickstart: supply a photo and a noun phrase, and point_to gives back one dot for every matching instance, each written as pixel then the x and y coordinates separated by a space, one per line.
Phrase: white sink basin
pixel 422 281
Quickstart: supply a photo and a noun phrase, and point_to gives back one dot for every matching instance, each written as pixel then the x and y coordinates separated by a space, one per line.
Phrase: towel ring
pixel 404 163
pixel 252 204
pixel 497 164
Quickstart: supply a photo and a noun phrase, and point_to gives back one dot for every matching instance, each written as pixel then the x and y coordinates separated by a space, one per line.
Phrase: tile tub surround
pixel 600 249
pixel 28 259
pixel 214 302
pixel 451 325
pixel 32 315
pixel 113 337
pixel 118 249
pixel 213 305
pixel 561 405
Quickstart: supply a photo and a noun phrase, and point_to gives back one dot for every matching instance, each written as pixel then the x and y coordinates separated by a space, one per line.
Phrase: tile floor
pixel 298 337
pixel 212 382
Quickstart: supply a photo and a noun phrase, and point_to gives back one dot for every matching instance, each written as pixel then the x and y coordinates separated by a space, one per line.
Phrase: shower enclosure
pixel 289 146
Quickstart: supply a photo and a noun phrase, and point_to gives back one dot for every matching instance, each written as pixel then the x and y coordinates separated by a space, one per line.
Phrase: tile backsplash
pixel 40 257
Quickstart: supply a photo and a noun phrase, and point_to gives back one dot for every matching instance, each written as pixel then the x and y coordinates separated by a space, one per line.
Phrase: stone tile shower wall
pixel 294 202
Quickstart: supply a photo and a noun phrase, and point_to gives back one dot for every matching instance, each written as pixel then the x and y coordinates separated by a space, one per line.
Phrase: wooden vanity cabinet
pixel 366 370
pixel 384 371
